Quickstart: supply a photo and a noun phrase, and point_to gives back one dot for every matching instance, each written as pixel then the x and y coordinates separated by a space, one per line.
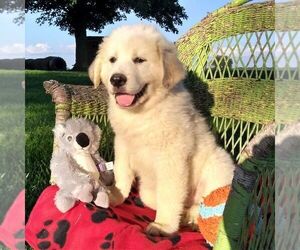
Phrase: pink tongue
pixel 124 100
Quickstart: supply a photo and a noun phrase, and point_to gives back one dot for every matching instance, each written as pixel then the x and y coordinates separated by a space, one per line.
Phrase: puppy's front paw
pixel 159 229
pixel 189 218
pixel 115 197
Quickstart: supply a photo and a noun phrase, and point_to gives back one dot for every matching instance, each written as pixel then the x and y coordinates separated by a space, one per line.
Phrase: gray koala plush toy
pixel 76 166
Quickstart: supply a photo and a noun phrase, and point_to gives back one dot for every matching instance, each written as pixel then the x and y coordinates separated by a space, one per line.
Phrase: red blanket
pixel 89 227
pixel 12 227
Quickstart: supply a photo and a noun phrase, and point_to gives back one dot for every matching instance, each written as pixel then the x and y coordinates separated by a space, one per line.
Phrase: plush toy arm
pixel 67 175
pixel 97 157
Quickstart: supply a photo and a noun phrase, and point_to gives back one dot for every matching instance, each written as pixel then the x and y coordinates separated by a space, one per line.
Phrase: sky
pixel 41 41
pixel 31 40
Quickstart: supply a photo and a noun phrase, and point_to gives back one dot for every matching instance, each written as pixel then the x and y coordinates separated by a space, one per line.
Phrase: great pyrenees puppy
pixel 159 136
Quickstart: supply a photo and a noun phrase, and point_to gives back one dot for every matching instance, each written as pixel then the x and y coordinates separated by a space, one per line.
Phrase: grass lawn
pixel 12 138
pixel 40 117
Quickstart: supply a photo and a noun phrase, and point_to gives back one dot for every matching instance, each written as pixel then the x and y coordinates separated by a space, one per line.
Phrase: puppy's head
pixel 136 64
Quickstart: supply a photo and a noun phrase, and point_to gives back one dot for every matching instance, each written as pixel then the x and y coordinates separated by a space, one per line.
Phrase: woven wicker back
pixel 230 53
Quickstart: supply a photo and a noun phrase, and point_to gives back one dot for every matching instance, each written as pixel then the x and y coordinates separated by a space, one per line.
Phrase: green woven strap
pixel 287 100
pixel 231 226
pixel 238 217
pixel 243 99
pixel 227 23
pixel 249 196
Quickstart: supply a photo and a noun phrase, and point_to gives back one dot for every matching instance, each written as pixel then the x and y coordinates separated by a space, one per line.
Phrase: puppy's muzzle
pixel 118 80
pixel 83 140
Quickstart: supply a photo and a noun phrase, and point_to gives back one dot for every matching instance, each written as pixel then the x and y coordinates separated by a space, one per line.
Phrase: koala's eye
pixel 139 60
pixel 63 135
pixel 113 59
pixel 69 138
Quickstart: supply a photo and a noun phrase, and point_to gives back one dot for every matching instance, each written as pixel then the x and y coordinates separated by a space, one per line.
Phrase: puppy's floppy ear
pixel 59 130
pixel 174 71
pixel 95 71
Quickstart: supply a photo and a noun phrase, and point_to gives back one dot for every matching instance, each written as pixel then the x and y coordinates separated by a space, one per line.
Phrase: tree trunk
pixel 81 63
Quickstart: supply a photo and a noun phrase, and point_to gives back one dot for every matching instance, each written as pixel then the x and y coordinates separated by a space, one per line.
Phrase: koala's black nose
pixel 118 80
pixel 83 140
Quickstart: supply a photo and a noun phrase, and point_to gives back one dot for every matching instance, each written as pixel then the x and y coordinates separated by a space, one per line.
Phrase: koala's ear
pixel 97 131
pixel 97 134
pixel 59 130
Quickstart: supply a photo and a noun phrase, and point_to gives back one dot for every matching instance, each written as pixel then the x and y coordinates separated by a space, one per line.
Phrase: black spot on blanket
pixel 128 202
pixel 44 245
pixel 108 243
pixel 90 206
pixel 20 245
pixel 99 216
pixel 146 218
pixel 105 245
pixel 60 235
pixel 48 222
pixel 114 216
pixel 137 217
pixel 138 202
pixel 19 234
pixel 111 213
pixel 155 239
pixel 109 236
pixel 143 218
pixel 42 234
pixel 175 239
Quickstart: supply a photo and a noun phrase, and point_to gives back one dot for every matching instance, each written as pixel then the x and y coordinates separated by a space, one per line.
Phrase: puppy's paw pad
pixel 158 229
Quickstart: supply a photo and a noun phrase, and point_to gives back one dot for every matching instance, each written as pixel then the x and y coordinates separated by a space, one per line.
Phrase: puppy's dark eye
pixel 113 59
pixel 69 138
pixel 139 60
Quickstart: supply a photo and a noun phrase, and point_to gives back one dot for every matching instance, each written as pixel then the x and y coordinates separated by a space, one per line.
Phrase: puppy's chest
pixel 138 130
pixel 143 151
pixel 143 161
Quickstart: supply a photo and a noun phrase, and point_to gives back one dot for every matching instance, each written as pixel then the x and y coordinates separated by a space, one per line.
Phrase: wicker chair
pixel 231 76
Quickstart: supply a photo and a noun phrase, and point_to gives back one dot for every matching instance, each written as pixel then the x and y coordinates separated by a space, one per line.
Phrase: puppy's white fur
pixel 161 139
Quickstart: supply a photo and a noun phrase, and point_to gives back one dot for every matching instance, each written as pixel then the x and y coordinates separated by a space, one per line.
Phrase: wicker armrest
pixel 252 188
pixel 76 100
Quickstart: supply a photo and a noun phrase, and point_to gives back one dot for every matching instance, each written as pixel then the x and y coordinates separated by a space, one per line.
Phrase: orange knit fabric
pixel 209 226
pixel 217 197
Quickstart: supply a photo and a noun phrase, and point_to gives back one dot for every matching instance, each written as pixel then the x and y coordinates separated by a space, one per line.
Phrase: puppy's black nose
pixel 118 80
pixel 83 140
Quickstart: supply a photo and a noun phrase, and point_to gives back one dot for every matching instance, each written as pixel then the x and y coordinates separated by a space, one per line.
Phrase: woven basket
pixel 231 77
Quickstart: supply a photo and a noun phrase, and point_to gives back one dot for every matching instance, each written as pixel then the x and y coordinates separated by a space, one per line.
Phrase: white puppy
pixel 159 136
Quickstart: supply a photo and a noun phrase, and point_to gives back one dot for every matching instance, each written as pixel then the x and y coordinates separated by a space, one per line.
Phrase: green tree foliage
pixel 78 16
pixel 14 6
